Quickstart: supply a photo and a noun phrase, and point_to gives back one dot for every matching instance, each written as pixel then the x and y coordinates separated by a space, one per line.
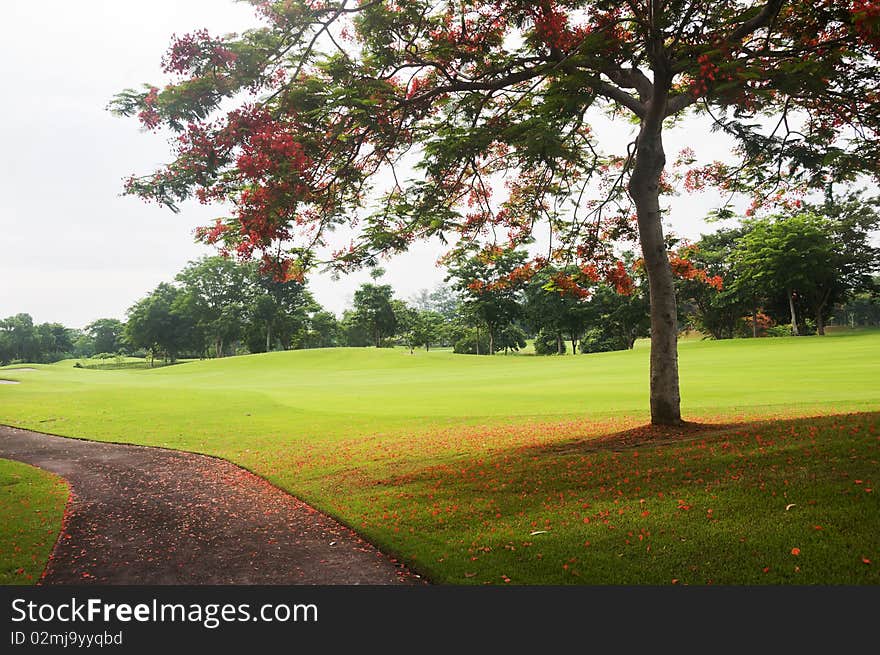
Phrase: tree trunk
pixel 644 189
pixel 478 339
pixel 558 343
pixel 754 322
pixel 376 336
pixel 574 350
pixel 794 325
pixel 268 336
pixel 820 314
pixel 491 341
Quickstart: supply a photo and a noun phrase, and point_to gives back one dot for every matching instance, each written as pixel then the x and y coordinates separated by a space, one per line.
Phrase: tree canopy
pixel 493 102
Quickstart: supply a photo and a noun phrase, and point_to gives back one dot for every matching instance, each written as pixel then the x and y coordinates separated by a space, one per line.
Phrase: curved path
pixel 143 515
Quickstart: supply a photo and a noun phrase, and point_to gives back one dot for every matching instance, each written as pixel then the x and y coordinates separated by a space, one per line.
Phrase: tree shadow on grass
pixel 659 435
pixel 644 436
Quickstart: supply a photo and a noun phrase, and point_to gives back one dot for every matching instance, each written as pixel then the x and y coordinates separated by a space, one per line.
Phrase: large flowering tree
pixel 320 118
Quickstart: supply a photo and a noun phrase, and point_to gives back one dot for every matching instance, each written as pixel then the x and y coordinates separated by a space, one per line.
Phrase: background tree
pixel 549 343
pixel 852 221
pixel 445 301
pixel 491 284
pixel 323 330
pixel 22 340
pixel 326 95
pixel 430 328
pixel 511 338
pixel 278 310
pixel 715 308
pixel 374 312
pixel 807 259
pixel 470 341
pixel 53 342
pixel 83 344
pixel 353 332
pixel 218 291
pixel 19 340
pixel 160 324
pixel 555 306
pixel 616 319
pixel 406 324
pixel 862 308
pixel 263 314
pixel 106 334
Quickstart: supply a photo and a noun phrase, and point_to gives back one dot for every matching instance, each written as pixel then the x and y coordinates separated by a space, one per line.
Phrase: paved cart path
pixel 142 515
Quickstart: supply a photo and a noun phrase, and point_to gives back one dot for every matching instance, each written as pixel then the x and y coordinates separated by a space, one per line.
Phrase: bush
pixel 744 325
pixel 467 345
pixel 598 340
pixel 778 331
pixel 510 338
pixel 546 344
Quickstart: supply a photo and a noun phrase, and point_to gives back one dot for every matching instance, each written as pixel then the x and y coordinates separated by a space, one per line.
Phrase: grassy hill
pixel 367 434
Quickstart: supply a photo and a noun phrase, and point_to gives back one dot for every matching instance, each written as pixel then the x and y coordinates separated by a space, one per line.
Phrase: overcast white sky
pixel 71 248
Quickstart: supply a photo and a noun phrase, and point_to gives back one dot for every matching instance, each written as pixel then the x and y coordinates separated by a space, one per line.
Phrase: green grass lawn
pixel 451 461
pixel 31 508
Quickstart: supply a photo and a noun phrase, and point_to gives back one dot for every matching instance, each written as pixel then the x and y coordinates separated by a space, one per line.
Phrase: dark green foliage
pixel 805 263
pixel 491 291
pixel 599 340
pixel 549 343
pixel 472 343
pixel 548 310
pixel 862 309
pixel 617 320
pixel 431 329
pixel 216 290
pixel 372 319
pixel 23 341
pixel 322 332
pixel 716 312
pixel 161 323
pixel 353 331
pixel 107 335
pixel 511 337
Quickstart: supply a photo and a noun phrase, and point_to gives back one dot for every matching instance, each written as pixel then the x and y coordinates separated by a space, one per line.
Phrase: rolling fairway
pixel 437 457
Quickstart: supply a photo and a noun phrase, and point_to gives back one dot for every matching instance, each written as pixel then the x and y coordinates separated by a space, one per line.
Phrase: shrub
pixel 546 344
pixel 510 338
pixel 467 345
pixel 598 340
pixel 778 331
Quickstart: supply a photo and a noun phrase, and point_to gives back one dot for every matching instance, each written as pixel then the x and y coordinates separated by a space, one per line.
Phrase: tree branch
pixel 761 19
pixel 620 96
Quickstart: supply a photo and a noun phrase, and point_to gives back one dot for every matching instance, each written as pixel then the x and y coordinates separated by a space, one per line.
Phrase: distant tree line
pixel 786 274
